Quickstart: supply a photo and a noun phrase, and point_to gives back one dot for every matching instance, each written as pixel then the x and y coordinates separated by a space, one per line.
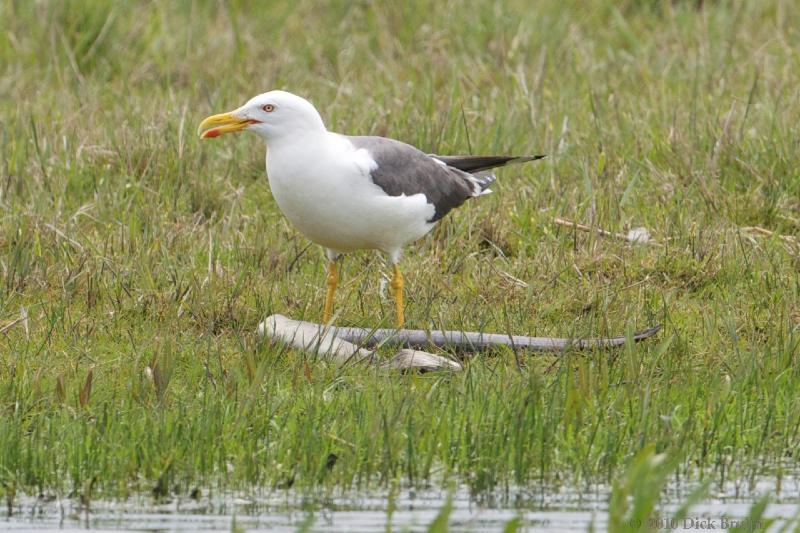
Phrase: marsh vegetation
pixel 136 263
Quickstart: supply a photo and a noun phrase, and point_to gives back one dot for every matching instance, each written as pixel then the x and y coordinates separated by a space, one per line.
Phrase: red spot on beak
pixel 212 133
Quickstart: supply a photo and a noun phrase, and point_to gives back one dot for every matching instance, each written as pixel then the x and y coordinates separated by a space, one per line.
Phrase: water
pixel 283 511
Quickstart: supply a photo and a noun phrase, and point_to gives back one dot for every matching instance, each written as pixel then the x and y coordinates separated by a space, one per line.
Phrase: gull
pixel 349 193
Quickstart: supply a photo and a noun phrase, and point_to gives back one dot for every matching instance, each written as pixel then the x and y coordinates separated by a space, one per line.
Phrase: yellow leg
pixel 397 286
pixel 333 280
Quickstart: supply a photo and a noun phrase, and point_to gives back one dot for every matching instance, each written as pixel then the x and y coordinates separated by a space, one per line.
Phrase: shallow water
pixel 282 511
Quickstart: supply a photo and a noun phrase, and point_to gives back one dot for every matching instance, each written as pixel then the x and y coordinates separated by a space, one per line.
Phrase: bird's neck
pixel 306 139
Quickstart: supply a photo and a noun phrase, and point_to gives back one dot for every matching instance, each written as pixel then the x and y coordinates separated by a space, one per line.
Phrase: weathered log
pixel 322 341
pixel 346 345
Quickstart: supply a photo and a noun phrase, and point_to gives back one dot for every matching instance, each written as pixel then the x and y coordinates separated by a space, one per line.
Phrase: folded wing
pixel 446 181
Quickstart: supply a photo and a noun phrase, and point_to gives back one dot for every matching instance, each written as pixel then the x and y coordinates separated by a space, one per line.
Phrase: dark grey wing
pixel 402 169
pixel 480 163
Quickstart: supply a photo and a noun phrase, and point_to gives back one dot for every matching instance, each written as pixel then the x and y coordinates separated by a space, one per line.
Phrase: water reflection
pixel 553 509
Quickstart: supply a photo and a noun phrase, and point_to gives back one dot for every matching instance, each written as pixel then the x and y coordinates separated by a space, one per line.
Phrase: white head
pixel 271 115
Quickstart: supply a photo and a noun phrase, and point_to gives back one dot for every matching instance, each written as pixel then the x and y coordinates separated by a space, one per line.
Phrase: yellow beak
pixel 217 125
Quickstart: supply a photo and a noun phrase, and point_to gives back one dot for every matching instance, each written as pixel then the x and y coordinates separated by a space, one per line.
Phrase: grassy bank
pixel 135 263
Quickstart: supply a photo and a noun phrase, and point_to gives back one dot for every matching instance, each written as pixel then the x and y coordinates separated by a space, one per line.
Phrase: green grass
pixel 145 259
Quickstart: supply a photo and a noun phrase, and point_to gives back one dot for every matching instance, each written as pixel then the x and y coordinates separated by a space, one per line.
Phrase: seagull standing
pixel 349 193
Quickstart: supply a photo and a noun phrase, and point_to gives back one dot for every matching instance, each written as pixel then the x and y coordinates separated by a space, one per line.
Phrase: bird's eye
pixel 269 108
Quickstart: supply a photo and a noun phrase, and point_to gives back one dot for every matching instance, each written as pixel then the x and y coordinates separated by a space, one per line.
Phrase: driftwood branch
pixel 635 236
pixel 347 345
pixel 475 342
pixel 763 232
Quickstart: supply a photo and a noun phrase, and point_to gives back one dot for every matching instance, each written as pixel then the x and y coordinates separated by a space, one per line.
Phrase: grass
pixel 136 262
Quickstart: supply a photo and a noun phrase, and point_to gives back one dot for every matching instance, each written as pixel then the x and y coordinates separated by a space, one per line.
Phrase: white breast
pixel 323 187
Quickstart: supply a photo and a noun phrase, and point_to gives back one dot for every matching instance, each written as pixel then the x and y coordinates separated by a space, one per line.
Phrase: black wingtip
pixel 480 163
pixel 526 158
